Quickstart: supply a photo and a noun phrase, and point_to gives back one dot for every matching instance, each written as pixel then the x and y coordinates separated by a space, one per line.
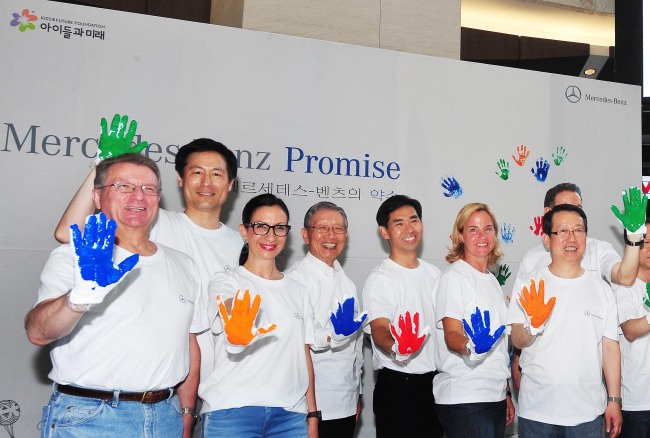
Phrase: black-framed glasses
pixel 262 228
pixel 564 233
pixel 122 187
pixel 324 229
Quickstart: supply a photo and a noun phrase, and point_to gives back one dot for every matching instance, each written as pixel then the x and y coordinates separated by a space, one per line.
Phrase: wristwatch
pixel 618 400
pixel 629 243
pixel 315 414
pixel 191 411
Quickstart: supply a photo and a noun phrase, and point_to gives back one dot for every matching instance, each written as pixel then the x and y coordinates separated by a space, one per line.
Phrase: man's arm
pixel 635 328
pixel 380 332
pixel 312 423
pixel 80 207
pixel 51 320
pixel 520 337
pixel 612 374
pixel 625 271
pixel 188 389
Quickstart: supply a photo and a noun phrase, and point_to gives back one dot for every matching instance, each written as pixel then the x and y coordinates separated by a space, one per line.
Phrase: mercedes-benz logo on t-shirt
pixel 573 94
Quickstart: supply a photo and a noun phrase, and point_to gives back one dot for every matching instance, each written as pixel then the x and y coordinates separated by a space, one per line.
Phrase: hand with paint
pixel 633 218
pixel 239 326
pixel 504 274
pixel 95 273
pixel 561 155
pixel 507 233
pixel 343 321
pixel 504 169
pixel 480 339
pixel 645 187
pixel 540 171
pixel 452 187
pixel 117 141
pixel 539 223
pixel 407 340
pixel 646 299
pixel 537 312
pixel 522 154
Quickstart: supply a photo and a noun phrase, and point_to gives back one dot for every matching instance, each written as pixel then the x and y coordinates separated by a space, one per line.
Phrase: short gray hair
pixel 324 205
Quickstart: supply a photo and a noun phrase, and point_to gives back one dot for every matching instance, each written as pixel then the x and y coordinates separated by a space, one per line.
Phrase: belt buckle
pixel 144 394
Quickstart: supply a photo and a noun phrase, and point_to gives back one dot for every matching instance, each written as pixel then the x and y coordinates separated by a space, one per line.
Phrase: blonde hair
pixel 457 251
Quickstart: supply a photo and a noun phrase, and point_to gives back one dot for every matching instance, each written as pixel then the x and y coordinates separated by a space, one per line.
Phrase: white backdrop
pixel 275 98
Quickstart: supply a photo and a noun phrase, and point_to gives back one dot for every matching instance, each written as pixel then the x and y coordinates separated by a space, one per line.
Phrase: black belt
pixel 142 397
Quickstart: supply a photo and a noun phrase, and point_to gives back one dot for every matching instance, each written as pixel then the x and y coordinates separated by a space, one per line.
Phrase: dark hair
pixel 393 203
pixel 263 200
pixel 137 159
pixel 551 194
pixel 548 217
pixel 206 145
pixel 324 205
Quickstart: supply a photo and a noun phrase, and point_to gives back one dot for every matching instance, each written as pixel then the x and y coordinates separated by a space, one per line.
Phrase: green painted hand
pixel 561 155
pixel 504 169
pixel 635 206
pixel 504 273
pixel 646 300
pixel 117 141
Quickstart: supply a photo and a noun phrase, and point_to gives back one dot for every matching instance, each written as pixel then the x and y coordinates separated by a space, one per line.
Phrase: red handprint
pixel 408 341
pixel 645 187
pixel 538 225
pixel 522 155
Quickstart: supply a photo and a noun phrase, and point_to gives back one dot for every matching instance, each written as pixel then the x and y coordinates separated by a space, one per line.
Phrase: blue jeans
pixel 254 422
pixel 473 420
pixel 536 429
pixel 68 416
pixel 636 424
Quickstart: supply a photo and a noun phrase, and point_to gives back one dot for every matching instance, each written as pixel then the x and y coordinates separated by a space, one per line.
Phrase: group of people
pixel 149 311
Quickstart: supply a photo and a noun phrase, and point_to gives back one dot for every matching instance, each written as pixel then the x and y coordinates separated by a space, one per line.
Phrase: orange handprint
pixel 239 325
pixel 522 155
pixel 533 303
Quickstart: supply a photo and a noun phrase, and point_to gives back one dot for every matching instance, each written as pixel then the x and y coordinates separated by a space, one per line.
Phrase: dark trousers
pixel 636 424
pixel 473 420
pixel 339 428
pixel 404 406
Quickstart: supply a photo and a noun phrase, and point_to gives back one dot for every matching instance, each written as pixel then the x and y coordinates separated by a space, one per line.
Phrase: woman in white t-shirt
pixel 262 381
pixel 471 391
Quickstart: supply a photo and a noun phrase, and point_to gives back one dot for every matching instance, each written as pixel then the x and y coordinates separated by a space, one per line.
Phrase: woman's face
pixel 478 236
pixel 268 246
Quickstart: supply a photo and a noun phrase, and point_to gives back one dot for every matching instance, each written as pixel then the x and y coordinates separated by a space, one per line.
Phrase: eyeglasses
pixel 564 233
pixel 130 188
pixel 324 229
pixel 262 229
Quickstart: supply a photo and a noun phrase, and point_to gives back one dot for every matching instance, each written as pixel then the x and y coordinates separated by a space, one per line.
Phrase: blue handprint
pixel 540 171
pixel 451 185
pixel 343 320
pixel 94 251
pixel 507 233
pixel 479 332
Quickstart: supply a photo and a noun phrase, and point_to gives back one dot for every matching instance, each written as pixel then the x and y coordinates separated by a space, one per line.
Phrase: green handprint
pixel 504 274
pixel 646 300
pixel 504 169
pixel 117 142
pixel 561 155
pixel 635 207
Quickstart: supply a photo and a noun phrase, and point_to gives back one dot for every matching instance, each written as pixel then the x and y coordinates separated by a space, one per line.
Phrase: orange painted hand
pixel 239 325
pixel 522 154
pixel 537 311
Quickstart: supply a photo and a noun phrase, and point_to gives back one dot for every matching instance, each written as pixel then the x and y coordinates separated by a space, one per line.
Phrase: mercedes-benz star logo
pixel 573 94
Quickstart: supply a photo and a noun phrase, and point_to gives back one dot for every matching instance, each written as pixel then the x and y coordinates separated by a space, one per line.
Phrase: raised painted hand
pixel 239 326
pixel 634 205
pixel 95 273
pixel 479 332
pixel 343 320
pixel 407 340
pixel 117 141
pixel 522 154
pixel 539 225
pixel 536 310
pixel 452 187
pixel 504 169
pixel 503 275
pixel 507 233
pixel 561 155
pixel 540 171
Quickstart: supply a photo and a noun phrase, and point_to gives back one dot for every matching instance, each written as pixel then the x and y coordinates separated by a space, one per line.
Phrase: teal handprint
pixel 561 155
pixel 504 169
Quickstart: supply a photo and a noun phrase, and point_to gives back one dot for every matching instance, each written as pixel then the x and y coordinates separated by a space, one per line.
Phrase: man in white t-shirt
pixel 569 340
pixel 633 305
pixel 122 313
pixel 398 298
pixel 336 353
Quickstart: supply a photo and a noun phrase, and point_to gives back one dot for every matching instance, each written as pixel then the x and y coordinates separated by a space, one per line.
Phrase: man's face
pixel 205 182
pixel 324 243
pixel 129 210
pixel 567 197
pixel 644 254
pixel 571 248
pixel 404 230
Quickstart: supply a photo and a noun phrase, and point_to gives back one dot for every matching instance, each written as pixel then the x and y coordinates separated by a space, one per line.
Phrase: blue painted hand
pixel 343 320
pixel 479 332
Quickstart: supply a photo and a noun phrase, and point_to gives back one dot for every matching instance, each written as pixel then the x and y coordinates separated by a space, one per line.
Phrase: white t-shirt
pixel 562 377
pixel 460 289
pixel 635 356
pixel 271 372
pixel 390 291
pixel 337 370
pixel 137 339
pixel 212 250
